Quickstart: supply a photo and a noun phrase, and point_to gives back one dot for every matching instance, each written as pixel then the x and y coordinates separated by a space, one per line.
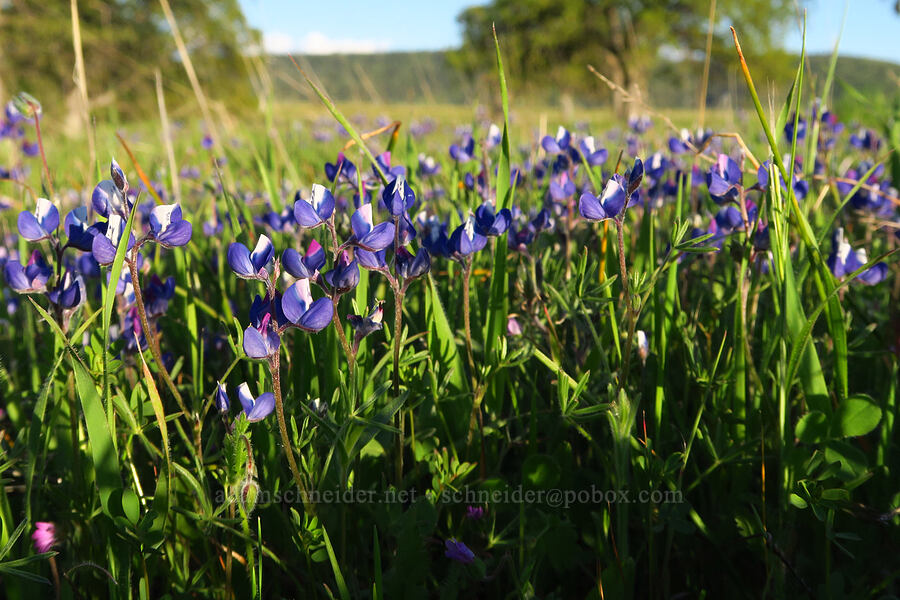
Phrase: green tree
pixel 548 43
pixel 123 42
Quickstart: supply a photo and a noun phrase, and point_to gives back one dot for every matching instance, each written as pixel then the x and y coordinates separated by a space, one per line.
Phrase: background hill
pixel 420 77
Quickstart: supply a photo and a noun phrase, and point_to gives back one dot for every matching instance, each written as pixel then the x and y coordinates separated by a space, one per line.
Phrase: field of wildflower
pixel 372 358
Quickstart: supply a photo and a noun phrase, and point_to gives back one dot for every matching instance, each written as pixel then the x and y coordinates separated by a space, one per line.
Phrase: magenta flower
pixel 44 536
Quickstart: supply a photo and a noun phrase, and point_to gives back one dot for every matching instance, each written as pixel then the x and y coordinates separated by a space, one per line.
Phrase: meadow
pixel 332 351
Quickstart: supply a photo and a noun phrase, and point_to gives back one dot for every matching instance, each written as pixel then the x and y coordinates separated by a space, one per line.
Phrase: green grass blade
pixel 498 306
pixel 338 576
pixel 344 122
pixel 441 341
pixel 106 462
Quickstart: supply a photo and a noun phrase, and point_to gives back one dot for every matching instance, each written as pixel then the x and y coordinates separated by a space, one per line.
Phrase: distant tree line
pixel 123 42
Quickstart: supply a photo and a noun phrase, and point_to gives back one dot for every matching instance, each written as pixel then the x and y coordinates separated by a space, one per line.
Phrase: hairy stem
pixel 150 335
pixel 351 355
pixel 467 272
pixel 629 309
pixel 398 333
pixel 274 370
pixel 40 141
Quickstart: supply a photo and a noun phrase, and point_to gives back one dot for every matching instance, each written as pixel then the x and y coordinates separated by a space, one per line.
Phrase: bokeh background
pixel 440 53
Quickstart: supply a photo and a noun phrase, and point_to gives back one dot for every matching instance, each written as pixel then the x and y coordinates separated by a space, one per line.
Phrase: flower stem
pixel 274 370
pixel 40 141
pixel 351 356
pixel 467 272
pixel 150 335
pixel 629 309
pixel 398 333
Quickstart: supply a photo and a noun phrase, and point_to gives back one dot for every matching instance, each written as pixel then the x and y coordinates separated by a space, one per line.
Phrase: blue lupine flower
pixel 306 267
pixel 542 221
pixel 844 260
pixel 398 196
pixel 729 219
pixel 345 274
pixel 88 266
pixel 40 224
pixel 465 239
pixel 376 261
pixel 801 188
pixel 315 211
pixel 363 326
pixel 383 160
pixel 157 295
pixel 213 227
pixel 366 234
pixel 275 221
pixel 865 139
pixel 262 341
pixel 342 167
pixel 724 179
pixel 133 331
pixel 255 409
pixel 435 237
pixel 222 402
pixel 31 278
pixel 490 223
pixel 107 240
pixel 70 293
pixel 610 203
pixel 411 267
pixel 463 153
pixel 30 149
pixel 251 265
pixel 559 144
pixel 428 167
pixel 520 238
pixel 594 156
pixel 118 176
pixel 656 166
pixel 789 128
pixel 301 310
pixel 458 551
pixel 494 136
pixel 80 234
pixel 108 199
pixel 167 226
pixel 406 231
pixel 561 187
pixel 640 124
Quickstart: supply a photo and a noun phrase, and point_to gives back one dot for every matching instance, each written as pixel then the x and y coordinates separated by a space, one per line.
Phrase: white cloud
pixel 316 42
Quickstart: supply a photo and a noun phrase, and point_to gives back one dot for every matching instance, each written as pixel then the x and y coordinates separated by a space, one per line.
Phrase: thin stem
pixel 274 368
pixel 351 356
pixel 467 272
pixel 40 141
pixel 398 333
pixel 150 335
pixel 629 309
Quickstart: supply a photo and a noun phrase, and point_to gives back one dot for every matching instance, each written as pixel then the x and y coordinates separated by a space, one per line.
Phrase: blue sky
pixel 872 28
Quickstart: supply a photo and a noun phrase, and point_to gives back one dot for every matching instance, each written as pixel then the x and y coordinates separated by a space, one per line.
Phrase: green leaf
pixel 812 428
pixel 106 462
pixel 339 578
pixel 540 471
pixel 797 501
pixel 856 416
pixel 441 341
